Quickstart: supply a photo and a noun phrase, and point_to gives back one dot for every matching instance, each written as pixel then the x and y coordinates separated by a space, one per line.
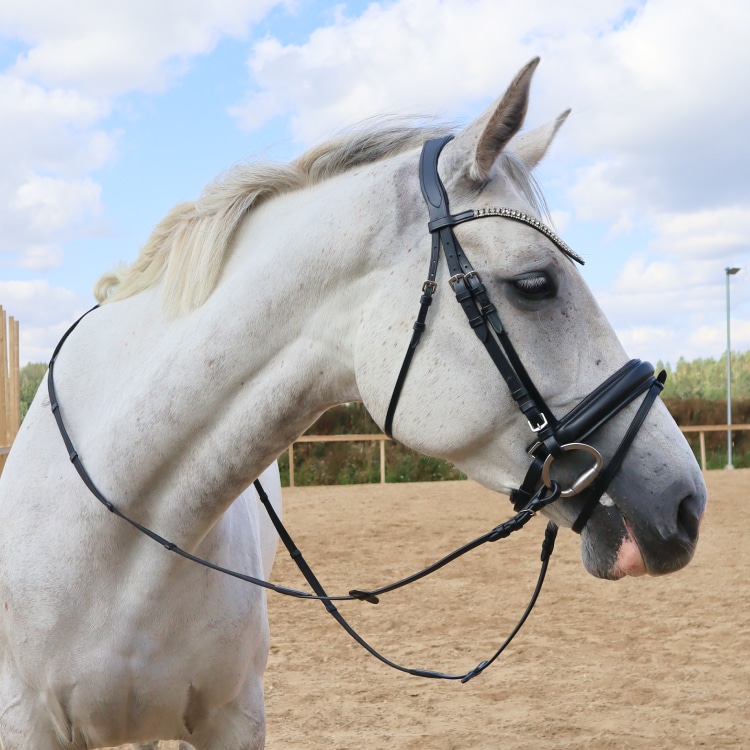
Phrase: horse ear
pixel 488 135
pixel 532 146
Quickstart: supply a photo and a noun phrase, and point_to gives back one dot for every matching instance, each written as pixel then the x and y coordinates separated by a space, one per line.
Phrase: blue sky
pixel 111 113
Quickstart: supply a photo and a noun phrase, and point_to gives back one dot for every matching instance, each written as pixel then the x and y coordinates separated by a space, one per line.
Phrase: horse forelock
pixel 186 250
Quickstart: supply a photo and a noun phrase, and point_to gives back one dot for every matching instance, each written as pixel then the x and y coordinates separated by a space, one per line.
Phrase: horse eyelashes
pixel 534 286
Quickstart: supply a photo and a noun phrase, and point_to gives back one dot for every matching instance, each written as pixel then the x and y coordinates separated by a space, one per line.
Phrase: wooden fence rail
pixel 703 429
pixel 700 429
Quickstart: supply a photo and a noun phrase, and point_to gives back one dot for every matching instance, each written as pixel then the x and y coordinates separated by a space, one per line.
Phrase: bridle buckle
pixel 453 280
pixel 538 428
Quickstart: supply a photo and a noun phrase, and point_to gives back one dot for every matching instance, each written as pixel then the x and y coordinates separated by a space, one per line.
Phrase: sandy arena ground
pixel 655 663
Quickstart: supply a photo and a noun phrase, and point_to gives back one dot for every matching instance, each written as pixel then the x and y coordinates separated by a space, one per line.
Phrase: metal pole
pixel 729 272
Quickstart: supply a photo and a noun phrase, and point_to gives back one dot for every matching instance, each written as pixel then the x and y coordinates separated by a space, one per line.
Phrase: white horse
pixel 282 291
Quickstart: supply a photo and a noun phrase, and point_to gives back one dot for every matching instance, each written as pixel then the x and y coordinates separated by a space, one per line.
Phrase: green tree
pixel 31 376
pixel 707 378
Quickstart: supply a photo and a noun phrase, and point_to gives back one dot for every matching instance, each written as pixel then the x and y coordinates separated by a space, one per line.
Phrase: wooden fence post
pixel 382 462
pixel 4 383
pixel 14 356
pixel 10 385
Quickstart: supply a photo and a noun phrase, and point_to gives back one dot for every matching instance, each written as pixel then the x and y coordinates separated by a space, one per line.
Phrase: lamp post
pixel 729 272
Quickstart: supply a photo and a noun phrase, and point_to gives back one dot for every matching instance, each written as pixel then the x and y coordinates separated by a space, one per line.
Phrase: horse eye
pixel 535 286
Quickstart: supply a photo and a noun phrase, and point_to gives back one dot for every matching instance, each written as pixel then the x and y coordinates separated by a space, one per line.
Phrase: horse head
pixel 454 403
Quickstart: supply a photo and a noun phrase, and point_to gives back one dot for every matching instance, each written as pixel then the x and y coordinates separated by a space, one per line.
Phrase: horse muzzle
pixel 643 528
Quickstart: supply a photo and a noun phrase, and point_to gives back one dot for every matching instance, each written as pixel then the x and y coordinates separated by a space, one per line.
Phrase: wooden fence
pixel 10 384
pixel 338 439
pixel 700 429
pixel 703 429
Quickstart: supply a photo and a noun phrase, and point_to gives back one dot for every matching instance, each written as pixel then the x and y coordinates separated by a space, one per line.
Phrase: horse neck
pixel 229 386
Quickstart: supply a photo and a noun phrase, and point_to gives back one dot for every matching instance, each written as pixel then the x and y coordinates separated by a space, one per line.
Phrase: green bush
pixel 358 462
pixel 30 377
pixel 706 379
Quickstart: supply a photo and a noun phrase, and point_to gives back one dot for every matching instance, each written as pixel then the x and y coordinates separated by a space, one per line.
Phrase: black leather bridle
pixel 553 437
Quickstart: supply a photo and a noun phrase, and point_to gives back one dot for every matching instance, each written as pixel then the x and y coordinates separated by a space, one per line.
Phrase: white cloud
pixel 41 257
pixel 413 56
pixel 560 220
pixel 55 98
pixel 595 197
pixel 714 337
pixel 670 343
pixel 37 302
pixel 44 312
pixel 51 130
pixel 667 309
pixel 49 141
pixel 646 342
pixel 108 49
pixel 653 85
pixel 51 204
pixel 711 233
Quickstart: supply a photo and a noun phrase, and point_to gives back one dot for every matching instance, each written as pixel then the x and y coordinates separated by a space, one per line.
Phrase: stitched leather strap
pixel 482 316
pixel 603 480
pixel 607 400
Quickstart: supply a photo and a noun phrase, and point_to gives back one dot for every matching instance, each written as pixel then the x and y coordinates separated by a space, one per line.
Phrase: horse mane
pixel 186 250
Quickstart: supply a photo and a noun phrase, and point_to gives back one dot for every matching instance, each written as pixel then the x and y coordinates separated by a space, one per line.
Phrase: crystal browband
pixel 511 213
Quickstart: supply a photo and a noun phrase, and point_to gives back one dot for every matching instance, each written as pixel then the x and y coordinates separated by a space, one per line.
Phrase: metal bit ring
pixel 585 479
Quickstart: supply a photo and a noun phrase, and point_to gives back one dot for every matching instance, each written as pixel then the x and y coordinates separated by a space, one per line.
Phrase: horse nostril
pixel 689 514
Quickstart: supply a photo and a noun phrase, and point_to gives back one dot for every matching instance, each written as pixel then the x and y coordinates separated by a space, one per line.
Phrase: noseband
pixel 553 437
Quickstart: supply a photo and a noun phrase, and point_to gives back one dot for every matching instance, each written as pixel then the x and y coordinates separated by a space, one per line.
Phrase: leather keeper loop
pixel 552 446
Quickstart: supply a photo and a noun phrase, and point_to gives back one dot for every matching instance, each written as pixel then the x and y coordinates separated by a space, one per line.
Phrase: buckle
pixel 533 449
pixel 538 428
pixel 585 479
pixel 429 285
pixel 453 280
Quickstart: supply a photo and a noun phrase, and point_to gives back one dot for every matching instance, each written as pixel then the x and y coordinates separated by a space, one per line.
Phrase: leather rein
pixel 553 437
